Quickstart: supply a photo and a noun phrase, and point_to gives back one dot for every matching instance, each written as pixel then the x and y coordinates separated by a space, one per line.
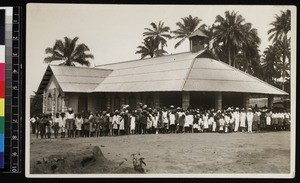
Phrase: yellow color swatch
pixel 2 105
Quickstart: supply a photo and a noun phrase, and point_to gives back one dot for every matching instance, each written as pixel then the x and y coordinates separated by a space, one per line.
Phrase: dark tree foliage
pixel 36 105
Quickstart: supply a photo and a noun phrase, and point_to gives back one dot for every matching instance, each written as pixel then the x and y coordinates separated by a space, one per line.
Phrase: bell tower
pixel 197 41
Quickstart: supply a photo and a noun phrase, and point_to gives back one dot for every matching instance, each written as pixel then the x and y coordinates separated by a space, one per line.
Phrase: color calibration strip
pixel 2 85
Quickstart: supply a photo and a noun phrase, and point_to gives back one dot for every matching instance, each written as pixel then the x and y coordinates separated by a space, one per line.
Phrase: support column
pixel 138 99
pixel 185 100
pixel 218 101
pixel 270 101
pixel 144 96
pixel 108 102
pixel 66 102
pixel 156 100
pixel 122 100
pixel 246 101
pixel 126 98
pixel 63 103
pixel 44 101
pixel 113 102
pixel 53 111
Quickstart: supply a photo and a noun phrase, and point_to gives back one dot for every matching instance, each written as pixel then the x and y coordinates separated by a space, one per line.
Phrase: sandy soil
pixel 181 153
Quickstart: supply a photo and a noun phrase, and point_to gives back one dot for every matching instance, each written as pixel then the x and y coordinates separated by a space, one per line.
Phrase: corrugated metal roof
pixel 165 73
pixel 75 79
pixel 181 72
pixel 178 72
pixel 211 75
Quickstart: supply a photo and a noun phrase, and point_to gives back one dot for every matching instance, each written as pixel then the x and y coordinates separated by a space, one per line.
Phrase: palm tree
pixel 250 47
pixel 229 32
pixel 233 36
pixel 186 27
pixel 69 52
pixel 159 33
pixel 150 48
pixel 284 51
pixel 270 64
pixel 281 26
pixel 278 34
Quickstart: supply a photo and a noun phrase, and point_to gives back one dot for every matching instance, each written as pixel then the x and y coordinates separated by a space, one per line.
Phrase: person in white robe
pixel 132 123
pixel 243 120
pixel 249 119
pixel 236 117
pixel 205 122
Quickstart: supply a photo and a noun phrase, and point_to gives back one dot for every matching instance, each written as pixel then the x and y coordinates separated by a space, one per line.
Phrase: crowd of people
pixel 145 120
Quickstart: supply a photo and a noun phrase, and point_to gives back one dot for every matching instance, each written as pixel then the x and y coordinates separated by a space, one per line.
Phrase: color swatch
pixel 2 85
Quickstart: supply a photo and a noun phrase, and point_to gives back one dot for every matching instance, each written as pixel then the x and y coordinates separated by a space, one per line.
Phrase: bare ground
pixel 165 153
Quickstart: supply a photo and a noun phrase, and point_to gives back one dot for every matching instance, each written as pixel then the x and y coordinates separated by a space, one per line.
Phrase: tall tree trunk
pixel 229 56
pixel 283 70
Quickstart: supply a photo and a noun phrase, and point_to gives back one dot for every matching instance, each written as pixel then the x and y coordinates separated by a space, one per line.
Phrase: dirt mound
pixel 87 160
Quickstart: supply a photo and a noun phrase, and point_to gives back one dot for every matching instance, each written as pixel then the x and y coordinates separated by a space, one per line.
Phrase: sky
pixel 113 32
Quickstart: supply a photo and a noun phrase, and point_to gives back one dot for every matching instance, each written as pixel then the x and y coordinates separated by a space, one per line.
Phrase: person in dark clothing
pixel 126 122
pixel 181 121
pixel 55 126
pixel 138 122
pixel 177 120
pixel 42 126
pixel 143 121
pixel 37 125
pixel 48 124
pixel 105 120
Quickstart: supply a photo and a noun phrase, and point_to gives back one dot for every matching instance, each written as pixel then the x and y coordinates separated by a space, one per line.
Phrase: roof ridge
pixel 153 64
pixel 188 73
pixel 78 67
pixel 146 58
pixel 259 80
